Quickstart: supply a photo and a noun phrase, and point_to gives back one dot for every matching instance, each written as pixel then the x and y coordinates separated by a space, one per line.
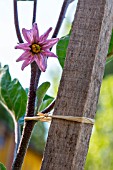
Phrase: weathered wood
pixel 67 143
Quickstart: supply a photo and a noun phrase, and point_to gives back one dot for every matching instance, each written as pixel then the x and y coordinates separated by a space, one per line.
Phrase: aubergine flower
pixel 37 47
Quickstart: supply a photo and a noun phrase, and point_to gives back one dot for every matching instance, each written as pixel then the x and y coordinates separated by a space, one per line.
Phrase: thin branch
pixel 34 11
pixel 61 17
pixel 28 126
pixel 16 22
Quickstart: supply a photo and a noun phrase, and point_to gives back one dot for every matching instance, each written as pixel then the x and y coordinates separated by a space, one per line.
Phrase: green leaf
pixel 41 91
pixel 109 59
pixel 48 97
pixel 6 118
pixel 46 103
pixel 61 49
pixel 111 44
pixel 5 78
pixel 12 94
pixel 110 50
pixel 2 167
pixel 108 68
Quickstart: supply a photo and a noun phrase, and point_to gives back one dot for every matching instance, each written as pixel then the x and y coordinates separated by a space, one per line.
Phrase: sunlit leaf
pixel 46 102
pixel 61 49
pixel 2 167
pixel 48 97
pixel 12 93
pixel 41 91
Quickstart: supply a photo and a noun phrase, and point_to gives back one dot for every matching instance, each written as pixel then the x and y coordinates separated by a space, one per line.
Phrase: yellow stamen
pixel 35 48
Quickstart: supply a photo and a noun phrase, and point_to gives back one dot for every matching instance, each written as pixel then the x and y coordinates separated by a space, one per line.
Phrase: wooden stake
pixel 67 143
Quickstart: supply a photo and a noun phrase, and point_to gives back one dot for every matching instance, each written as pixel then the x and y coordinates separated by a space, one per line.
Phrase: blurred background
pixel 101 143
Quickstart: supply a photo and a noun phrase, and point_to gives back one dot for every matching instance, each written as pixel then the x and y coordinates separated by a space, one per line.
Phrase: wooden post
pixel 67 143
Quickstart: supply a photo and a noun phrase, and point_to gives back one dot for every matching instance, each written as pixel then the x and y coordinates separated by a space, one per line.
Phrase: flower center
pixel 35 48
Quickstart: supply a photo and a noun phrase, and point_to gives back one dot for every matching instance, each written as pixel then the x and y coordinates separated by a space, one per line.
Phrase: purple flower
pixel 37 47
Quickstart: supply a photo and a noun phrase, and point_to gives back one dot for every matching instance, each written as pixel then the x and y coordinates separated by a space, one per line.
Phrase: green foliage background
pixel 101 144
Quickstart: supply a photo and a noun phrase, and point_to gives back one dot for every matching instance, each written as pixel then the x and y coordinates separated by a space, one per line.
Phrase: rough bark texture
pixel 67 143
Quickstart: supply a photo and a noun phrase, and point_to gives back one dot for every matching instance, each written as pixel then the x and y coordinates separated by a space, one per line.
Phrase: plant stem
pixel 34 11
pixel 28 126
pixel 61 17
pixel 16 22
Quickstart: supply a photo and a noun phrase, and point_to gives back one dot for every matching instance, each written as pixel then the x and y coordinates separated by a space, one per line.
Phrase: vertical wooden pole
pixel 67 143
